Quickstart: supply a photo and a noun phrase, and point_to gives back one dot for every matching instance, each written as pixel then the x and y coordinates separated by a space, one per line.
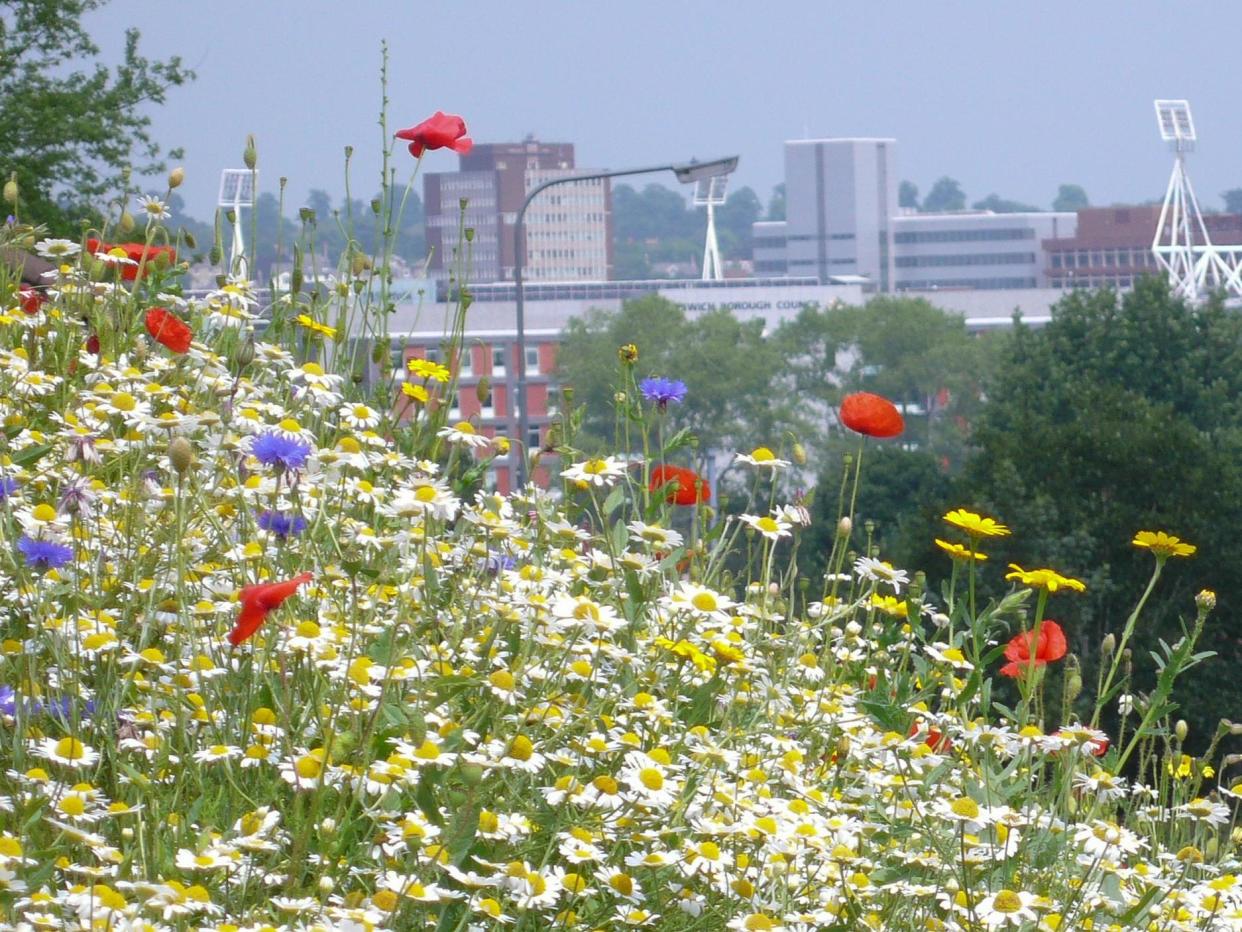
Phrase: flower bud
pixel 10 189
pixel 619 398
pixel 190 239
pixel 1235 728
pixel 215 255
pixel 251 155
pixel 244 355
pixel 126 222
pixel 1108 645
pixel 175 177
pixel 376 204
pixel 628 353
pixel 1206 601
pixel 180 454
pixel 468 233
pixel 799 454
pixel 326 884
pixel 844 527
pixel 327 826
pixel 1181 729
pixel 360 263
pixel 483 389
pixel 1073 685
pixel 567 393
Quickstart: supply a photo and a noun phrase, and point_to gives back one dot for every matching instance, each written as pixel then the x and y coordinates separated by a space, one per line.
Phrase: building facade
pixel 975 249
pixel 840 197
pixel 568 228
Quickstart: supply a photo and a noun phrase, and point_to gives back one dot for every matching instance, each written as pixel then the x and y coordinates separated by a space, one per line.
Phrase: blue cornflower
pixel 57 708
pixel 7 487
pixel 44 554
pixel 282 525
pixel 278 450
pixel 662 391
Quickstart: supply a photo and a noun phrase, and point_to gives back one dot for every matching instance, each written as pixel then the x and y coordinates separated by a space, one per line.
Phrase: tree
pixel 997 204
pixel 1121 415
pixel 946 194
pixel 1233 200
pixel 72 126
pixel 1070 197
pixel 908 195
pixel 727 364
pixel 733 223
pixel 776 203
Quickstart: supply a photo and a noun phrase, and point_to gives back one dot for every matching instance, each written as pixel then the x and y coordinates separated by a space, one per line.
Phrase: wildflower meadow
pixel 273 658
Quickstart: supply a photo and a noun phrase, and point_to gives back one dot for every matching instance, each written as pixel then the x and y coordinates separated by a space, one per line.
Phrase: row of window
pixel 979 258
pixel 769 242
pixel 499 354
pixel 966 283
pixel 1095 281
pixel 588 216
pixel 811 237
pixel 568 291
pixel 963 236
pixel 1142 258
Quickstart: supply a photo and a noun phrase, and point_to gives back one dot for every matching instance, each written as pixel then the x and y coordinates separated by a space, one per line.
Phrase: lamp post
pixel 686 173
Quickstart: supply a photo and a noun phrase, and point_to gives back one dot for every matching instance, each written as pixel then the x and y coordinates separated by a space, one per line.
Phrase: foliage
pixel 729 362
pixel 1233 200
pixel 946 194
pixel 1070 197
pixel 73 127
pixel 1123 412
pixel 776 203
pixel 908 195
pixel 657 225
pixel 999 205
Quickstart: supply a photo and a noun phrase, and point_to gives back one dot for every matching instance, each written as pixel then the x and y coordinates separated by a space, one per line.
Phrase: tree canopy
pixel 73 126
pixel 945 194
pixel 1070 197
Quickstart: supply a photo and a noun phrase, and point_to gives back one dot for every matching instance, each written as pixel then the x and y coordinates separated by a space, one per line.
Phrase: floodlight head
pixel 710 190
pixel 1173 117
pixel 694 170
pixel 236 188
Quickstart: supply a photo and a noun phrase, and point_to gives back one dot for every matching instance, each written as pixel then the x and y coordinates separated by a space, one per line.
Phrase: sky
pixel 1008 98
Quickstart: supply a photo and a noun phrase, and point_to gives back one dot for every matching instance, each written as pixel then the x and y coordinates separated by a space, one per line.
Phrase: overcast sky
pixel 1011 98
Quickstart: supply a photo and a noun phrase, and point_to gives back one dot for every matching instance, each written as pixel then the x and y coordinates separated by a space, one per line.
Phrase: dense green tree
pixel 73 126
pixel 727 364
pixel 998 204
pixel 733 222
pixel 1233 200
pixel 908 195
pixel 1122 414
pixel 1070 197
pixel 945 194
pixel 776 203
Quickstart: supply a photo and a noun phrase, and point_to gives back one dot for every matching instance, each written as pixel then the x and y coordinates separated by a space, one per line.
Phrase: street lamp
pixel 686 172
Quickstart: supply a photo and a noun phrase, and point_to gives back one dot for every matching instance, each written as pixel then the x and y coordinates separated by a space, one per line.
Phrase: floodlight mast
pixel 1182 245
pixel 710 192
pixel 237 190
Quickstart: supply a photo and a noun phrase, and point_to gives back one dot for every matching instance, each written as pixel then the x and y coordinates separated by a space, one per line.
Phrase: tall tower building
pixel 840 196
pixel 568 228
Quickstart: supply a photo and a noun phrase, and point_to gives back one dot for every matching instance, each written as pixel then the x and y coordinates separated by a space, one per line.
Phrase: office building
pixel 568 228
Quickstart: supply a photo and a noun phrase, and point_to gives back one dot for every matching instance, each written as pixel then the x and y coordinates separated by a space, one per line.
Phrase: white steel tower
pixel 710 193
pixel 237 190
pixel 1182 246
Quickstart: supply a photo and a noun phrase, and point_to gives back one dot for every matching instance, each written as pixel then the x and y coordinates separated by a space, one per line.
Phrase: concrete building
pixel 1111 246
pixel 840 197
pixel 568 228
pixel 975 249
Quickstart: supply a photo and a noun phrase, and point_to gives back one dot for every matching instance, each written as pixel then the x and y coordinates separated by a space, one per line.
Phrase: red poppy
pixel 136 252
pixel 92 344
pixel 258 600
pixel 31 300
pixel 685 487
pixel 865 413
pixel 167 328
pixel 935 739
pixel 441 131
pixel 1050 646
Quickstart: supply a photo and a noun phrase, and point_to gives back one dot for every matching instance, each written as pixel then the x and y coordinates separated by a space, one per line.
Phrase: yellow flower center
pixel 704 602
pixel 651 778
pixel 1007 902
pixel 965 807
pixel 44 513
pixel 70 749
pixel 762 455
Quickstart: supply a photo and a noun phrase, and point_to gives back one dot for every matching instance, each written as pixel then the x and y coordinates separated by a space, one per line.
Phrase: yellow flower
pixel 890 605
pixel 1047 579
pixel 1163 545
pixel 976 525
pixel 426 369
pixel 315 326
pixel 958 552
pixel 417 392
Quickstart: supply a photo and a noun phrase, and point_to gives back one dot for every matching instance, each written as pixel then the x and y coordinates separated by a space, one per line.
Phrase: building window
pixel 454 414
pixel 532 360
pixel 465 362
pixel 533 440
pixel 1056 260
pixel 485 405
pixel 498 360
